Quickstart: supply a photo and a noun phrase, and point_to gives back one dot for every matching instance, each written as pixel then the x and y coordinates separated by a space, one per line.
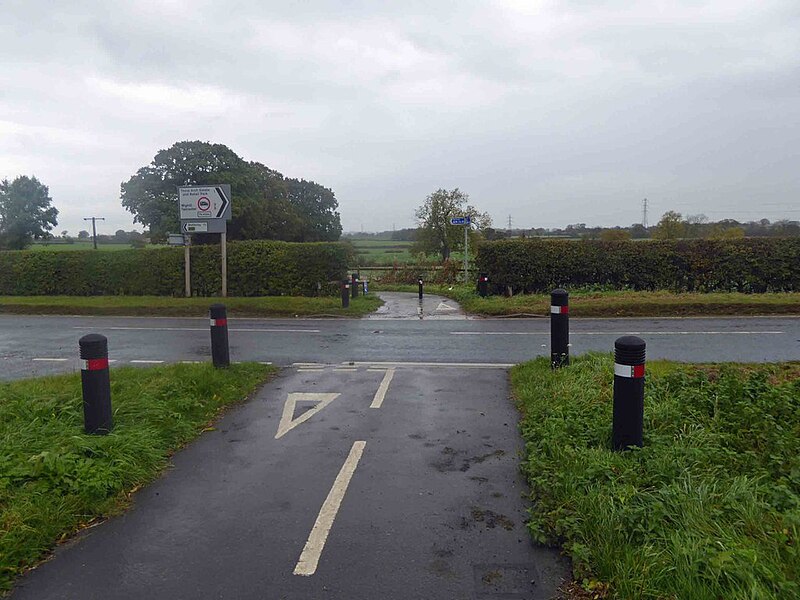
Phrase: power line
pixel 509 222
pixel 94 228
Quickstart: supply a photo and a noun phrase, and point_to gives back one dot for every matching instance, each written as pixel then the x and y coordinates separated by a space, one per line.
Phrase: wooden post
pixel 224 245
pixel 187 265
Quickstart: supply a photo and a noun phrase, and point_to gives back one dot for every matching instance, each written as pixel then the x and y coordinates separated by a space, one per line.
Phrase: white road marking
pixel 51 359
pixel 620 332
pixel 382 365
pixel 261 330
pixel 309 557
pixel 443 306
pixel 191 362
pixel 287 424
pixel 382 389
pixel 147 362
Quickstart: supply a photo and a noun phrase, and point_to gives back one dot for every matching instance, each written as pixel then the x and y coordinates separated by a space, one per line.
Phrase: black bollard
pixel 559 328
pixel 629 360
pixel 483 285
pixel 96 384
pixel 420 288
pixel 220 352
pixel 354 285
pixel 345 293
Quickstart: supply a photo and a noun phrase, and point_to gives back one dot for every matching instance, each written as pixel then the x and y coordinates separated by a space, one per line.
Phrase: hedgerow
pixel 749 265
pixel 255 268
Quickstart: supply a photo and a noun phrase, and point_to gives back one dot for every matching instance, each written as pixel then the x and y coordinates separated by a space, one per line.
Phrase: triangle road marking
pixel 287 423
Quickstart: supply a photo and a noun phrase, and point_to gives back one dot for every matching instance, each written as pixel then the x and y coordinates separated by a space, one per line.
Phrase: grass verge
pixel 619 303
pixel 708 509
pixel 165 306
pixel 55 480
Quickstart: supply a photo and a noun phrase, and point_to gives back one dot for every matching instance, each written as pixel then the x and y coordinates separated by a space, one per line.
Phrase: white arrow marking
pixel 287 424
pixel 443 306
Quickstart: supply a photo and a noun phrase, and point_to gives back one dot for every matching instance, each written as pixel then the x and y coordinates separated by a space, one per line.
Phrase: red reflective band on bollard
pixel 219 322
pixel 95 364
pixel 559 310
pixel 631 371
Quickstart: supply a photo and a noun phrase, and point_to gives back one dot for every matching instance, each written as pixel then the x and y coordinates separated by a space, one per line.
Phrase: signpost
pixel 466 221
pixel 205 209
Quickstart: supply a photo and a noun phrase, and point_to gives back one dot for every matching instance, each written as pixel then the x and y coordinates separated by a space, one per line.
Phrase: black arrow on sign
pixel 225 202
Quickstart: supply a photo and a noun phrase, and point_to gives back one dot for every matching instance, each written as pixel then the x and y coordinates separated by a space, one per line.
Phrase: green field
pixel 708 509
pixel 381 252
pixel 82 245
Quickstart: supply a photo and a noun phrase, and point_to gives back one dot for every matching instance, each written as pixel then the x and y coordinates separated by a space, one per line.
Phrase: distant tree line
pixel 672 225
pixel 266 205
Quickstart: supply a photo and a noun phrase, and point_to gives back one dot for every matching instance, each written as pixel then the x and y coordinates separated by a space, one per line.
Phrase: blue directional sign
pixel 460 220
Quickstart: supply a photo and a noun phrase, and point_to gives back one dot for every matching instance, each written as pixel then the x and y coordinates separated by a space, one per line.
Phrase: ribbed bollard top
pixel 629 350
pixel 92 346
pixel 559 297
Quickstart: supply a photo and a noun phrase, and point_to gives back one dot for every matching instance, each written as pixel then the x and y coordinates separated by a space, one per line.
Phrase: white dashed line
pixel 620 332
pixel 382 389
pixel 51 359
pixel 147 362
pixel 309 558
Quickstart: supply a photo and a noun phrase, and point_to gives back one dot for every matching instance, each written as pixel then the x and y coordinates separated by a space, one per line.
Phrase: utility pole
pixel 644 213
pixel 509 223
pixel 94 228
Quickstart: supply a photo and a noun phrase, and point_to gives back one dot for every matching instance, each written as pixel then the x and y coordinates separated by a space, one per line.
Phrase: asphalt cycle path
pixel 335 482
pixel 35 345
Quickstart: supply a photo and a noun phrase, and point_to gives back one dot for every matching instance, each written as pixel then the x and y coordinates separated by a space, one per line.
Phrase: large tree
pixel 264 203
pixel 435 234
pixel 318 206
pixel 670 227
pixel 26 212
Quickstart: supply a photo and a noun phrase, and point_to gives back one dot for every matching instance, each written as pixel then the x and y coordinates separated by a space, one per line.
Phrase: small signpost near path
pixel 466 221
pixel 205 209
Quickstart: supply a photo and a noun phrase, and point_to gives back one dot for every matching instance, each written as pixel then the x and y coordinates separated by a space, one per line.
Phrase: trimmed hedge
pixel 749 265
pixel 255 268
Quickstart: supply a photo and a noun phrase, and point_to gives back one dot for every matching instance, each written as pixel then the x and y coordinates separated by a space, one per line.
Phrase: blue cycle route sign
pixel 460 220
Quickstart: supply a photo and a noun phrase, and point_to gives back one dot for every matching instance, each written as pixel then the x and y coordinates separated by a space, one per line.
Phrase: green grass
pixel 165 306
pixel 382 252
pixel 63 247
pixel 618 303
pixel 708 509
pixel 54 479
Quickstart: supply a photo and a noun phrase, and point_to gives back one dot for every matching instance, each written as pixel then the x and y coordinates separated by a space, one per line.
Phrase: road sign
pixel 204 225
pixel 175 239
pixel 205 202
pixel 195 227
pixel 461 220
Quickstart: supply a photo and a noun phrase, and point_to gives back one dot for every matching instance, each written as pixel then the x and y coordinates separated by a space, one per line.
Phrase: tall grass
pixel 709 509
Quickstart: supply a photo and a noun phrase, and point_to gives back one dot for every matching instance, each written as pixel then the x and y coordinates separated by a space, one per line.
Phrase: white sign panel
pixel 205 202
pixel 199 227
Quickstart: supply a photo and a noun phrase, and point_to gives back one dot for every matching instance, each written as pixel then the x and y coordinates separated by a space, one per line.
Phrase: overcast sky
pixel 552 112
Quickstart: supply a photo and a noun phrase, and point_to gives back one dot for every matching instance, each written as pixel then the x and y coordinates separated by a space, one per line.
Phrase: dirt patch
pixel 492 519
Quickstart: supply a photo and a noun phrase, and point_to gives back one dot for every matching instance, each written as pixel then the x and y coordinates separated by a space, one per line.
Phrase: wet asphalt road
pixel 433 508
pixel 31 345
pixel 377 486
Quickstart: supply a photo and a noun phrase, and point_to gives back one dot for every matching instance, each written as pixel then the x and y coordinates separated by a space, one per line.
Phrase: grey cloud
pixel 556 113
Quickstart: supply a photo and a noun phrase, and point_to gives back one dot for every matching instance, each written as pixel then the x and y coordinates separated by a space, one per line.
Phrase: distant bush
pixel 745 265
pixel 255 268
